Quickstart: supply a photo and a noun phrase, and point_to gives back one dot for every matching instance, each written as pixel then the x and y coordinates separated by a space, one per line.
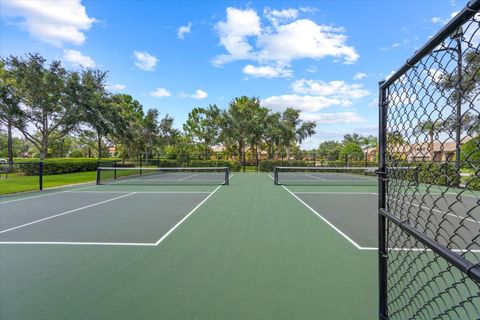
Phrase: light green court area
pixel 250 251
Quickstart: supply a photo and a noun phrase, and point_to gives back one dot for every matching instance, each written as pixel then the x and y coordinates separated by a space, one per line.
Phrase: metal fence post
pixel 40 175
pixel 382 236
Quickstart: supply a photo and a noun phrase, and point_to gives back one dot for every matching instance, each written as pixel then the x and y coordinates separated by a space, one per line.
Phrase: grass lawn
pixel 20 183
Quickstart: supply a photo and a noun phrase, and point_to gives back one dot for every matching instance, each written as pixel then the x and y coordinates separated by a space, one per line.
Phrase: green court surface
pixel 250 250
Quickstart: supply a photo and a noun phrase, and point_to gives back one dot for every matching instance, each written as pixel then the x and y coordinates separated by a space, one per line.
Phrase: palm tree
pixel 431 128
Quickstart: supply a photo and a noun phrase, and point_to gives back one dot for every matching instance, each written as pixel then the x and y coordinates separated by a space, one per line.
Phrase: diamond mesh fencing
pixel 429 216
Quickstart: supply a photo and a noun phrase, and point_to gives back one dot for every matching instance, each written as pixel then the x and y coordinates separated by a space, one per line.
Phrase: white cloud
pixel 279 16
pixel 267 71
pixel 77 58
pixel 183 30
pixel 160 93
pixel 305 39
pixel 116 87
pixel 51 21
pixel 303 103
pixel 333 88
pixel 145 61
pixel 199 94
pixel 233 32
pixel 359 76
pixel 436 20
pixel 280 43
pixel 333 118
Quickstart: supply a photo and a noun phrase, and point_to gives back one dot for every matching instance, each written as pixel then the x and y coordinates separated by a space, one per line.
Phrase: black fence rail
pixel 429 212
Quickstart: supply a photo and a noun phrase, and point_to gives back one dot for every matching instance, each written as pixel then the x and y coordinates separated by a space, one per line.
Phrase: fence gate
pixel 429 178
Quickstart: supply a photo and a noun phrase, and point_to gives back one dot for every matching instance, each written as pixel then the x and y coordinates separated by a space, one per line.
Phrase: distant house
pixel 111 150
pixel 442 151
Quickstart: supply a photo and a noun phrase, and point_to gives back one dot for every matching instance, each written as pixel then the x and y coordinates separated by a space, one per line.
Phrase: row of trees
pixel 352 146
pixel 49 104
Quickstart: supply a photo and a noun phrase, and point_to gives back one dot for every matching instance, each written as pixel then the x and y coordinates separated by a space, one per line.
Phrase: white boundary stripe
pixel 138 244
pixel 66 212
pixel 419 249
pixel 318 178
pixel 141 192
pixel 187 177
pixel 186 217
pixel 334 193
pixel 45 195
pixel 325 220
pixel 435 210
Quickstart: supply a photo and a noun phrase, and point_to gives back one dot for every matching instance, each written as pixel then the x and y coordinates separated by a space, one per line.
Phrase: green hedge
pixel 72 165
pixel 269 165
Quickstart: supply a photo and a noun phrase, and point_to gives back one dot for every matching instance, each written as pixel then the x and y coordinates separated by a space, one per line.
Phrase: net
pixel 333 176
pixel 163 176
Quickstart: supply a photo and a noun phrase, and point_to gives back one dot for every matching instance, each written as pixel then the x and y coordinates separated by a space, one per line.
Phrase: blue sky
pixel 323 57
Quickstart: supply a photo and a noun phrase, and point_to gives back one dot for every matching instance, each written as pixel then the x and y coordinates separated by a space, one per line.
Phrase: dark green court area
pixel 250 250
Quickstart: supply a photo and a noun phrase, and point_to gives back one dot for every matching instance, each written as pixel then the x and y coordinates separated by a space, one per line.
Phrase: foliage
pixel 330 150
pixel 351 151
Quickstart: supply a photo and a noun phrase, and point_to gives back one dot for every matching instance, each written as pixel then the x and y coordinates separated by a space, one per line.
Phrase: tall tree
pixel 94 107
pixel 47 99
pixel 295 129
pixel 431 128
pixel 203 125
pixel 10 112
pixel 330 150
pixel 150 132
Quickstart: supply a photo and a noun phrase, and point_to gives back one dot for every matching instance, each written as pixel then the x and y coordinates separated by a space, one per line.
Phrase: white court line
pixel 326 192
pixel 191 176
pixel 186 217
pixel 325 220
pixel 66 212
pixel 139 244
pixel 318 178
pixel 435 210
pixel 420 249
pixel 46 194
pixel 140 192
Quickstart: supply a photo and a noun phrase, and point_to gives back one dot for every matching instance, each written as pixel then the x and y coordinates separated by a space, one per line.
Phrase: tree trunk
pixel 99 147
pixel 44 149
pixel 432 153
pixel 9 142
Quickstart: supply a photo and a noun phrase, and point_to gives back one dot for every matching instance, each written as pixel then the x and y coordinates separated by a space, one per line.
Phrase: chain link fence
pixel 429 174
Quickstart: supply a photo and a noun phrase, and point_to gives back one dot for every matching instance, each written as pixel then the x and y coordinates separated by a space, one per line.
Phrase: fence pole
pixel 158 161
pixel 382 234
pixel 314 159
pixel 40 175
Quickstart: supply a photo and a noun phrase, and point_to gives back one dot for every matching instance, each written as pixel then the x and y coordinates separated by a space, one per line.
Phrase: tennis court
pixel 247 250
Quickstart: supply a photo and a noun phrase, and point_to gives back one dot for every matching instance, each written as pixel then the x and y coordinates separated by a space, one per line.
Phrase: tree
pixel 273 134
pixel 352 151
pixel 234 120
pixel 150 131
pixel 127 128
pixel 203 125
pixel 353 138
pixel 95 109
pixel 395 138
pixel 47 99
pixel 294 129
pixel 330 150
pixel 10 112
pixel 431 128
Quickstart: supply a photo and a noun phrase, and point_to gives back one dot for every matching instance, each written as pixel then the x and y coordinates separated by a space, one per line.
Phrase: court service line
pixel 66 212
pixel 325 220
pixel 334 192
pixel 141 192
pixel 187 177
pixel 138 244
pixel 436 210
pixel 185 218
pixel 45 195
pixel 312 176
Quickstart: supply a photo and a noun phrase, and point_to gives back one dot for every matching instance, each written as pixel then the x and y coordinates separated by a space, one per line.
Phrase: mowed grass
pixel 21 183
